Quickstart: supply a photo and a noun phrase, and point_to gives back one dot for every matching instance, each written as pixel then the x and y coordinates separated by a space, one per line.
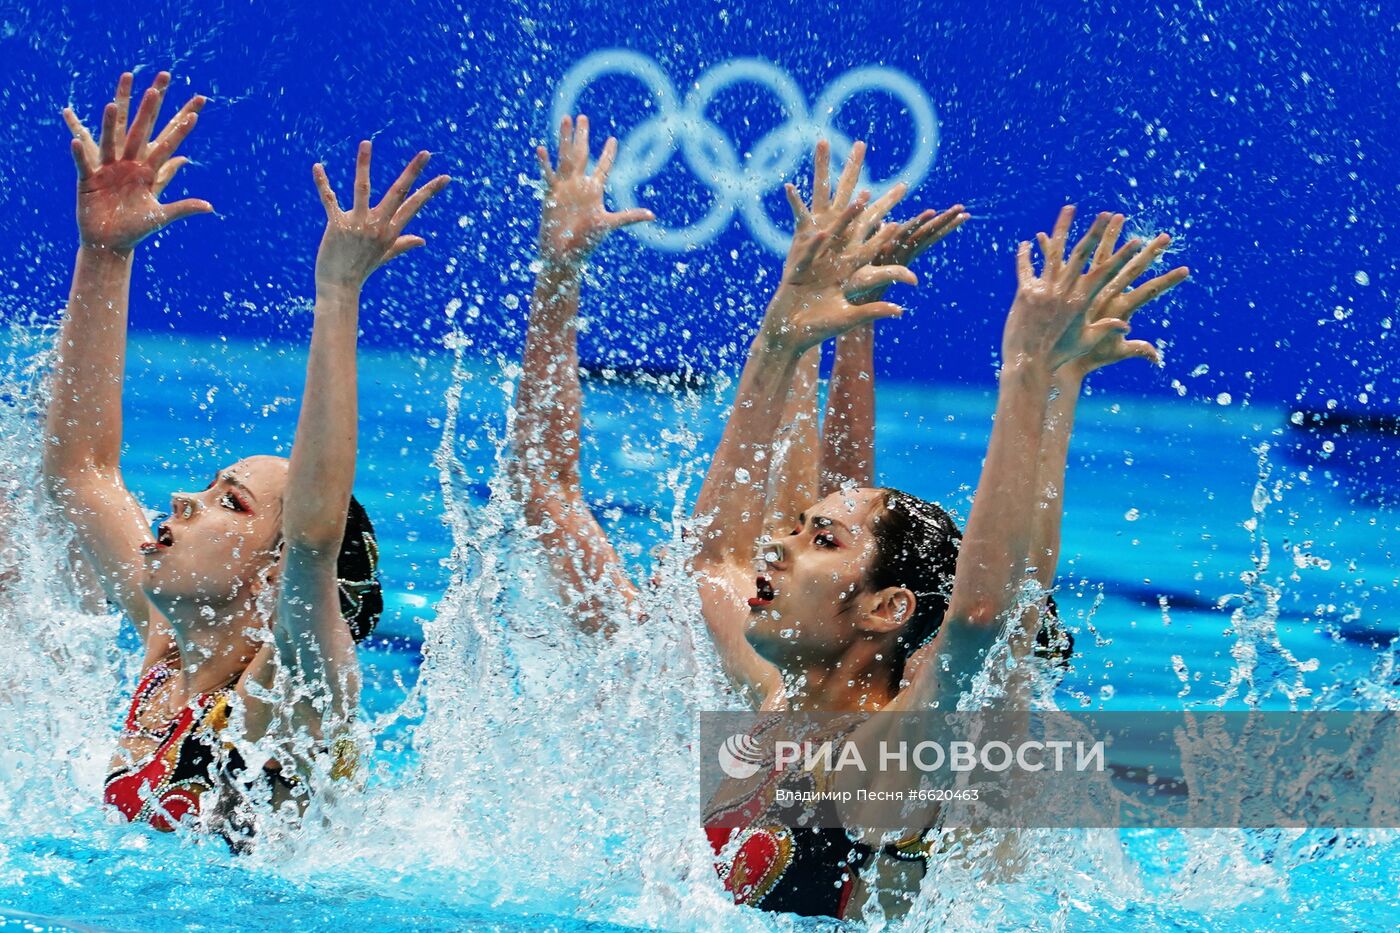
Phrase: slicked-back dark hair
pixel 916 548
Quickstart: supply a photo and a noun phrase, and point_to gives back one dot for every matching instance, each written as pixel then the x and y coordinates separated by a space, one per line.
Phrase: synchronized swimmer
pixel 821 590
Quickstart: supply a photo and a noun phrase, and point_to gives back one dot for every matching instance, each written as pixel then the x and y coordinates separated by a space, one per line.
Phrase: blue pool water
pixel 491 804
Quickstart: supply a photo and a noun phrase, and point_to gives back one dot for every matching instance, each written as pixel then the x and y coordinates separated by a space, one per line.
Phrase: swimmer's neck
pixel 858 681
pixel 212 641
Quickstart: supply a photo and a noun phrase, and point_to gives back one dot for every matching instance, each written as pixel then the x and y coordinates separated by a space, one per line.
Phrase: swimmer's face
pixel 219 545
pixel 811 604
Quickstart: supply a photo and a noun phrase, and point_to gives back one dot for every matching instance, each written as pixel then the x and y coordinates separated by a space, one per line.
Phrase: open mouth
pixel 164 539
pixel 765 593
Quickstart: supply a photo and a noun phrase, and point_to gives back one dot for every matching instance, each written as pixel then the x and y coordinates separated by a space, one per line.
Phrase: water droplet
pixel 1131 515
pixel 1223 398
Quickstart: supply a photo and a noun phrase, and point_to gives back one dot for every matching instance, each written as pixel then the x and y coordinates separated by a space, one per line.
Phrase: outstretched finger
pixel 122 100
pixel 566 146
pixel 1110 239
pixel 636 215
pixel 546 168
pixel 605 161
pixel 107 146
pixel 877 211
pixel 581 143
pixel 324 189
pixel 186 208
pixel 140 134
pixel 402 245
pixel 1025 272
pixel 1155 288
pixel 1054 245
pixel 170 140
pixel 420 197
pixel 175 128
pixel 868 278
pixel 80 132
pixel 360 204
pixel 871 249
pixel 1088 243
pixel 938 228
pixel 850 176
pixel 1138 265
pixel 800 214
pixel 821 176
pixel 875 311
pixel 166 173
pixel 1142 350
pixel 1100 276
pixel 82 158
pixel 398 192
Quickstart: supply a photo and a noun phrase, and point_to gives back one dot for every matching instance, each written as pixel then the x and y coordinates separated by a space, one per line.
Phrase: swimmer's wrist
pixel 98 252
pixel 338 291
pixel 1024 369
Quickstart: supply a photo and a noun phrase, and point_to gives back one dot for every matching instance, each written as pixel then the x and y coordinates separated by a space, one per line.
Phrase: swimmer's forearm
pixel 736 483
pixel 1050 483
pixel 992 559
pixel 793 483
pixel 848 432
pixel 84 423
pixel 322 471
pixel 549 399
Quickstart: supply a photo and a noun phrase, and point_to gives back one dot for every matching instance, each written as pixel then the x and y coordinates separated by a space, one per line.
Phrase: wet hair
pixel 916 548
pixel 357 573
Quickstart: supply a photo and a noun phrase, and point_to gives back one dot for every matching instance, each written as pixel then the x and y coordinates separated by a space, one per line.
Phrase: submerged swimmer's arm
pixel 311 640
pixel 121 176
pixel 549 398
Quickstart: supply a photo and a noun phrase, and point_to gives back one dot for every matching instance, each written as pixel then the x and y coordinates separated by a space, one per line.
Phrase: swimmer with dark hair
pixel 251 596
pixel 866 584
pixel 850 608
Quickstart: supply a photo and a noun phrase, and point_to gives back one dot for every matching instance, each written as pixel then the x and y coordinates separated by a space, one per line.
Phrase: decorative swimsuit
pixel 775 863
pixel 164 787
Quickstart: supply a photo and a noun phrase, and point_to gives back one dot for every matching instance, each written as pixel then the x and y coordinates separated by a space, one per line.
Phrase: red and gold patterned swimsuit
pixel 768 860
pixel 164 787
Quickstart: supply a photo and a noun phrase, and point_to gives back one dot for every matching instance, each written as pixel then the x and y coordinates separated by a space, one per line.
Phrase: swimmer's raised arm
pixel 549 398
pixel 1047 328
pixel 1117 301
pixel 120 179
pixel 829 257
pixel 848 431
pixel 311 639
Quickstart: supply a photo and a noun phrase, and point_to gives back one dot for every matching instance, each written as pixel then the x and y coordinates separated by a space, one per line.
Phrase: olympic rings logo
pixel 738 183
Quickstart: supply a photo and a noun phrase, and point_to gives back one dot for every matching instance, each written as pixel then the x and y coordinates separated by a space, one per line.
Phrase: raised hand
pixel 909 240
pixel 1048 322
pixel 122 174
pixel 362 239
pixel 833 248
pixel 573 220
pixel 1119 301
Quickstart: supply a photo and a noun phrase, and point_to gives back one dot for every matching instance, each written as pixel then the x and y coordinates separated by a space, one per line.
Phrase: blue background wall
pixel 1262 134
